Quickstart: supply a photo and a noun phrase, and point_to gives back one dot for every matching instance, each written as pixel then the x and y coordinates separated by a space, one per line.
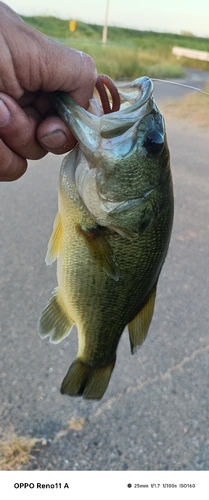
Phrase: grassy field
pixel 128 53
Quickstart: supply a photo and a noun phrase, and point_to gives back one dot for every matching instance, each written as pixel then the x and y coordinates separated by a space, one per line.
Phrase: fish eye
pixel 154 143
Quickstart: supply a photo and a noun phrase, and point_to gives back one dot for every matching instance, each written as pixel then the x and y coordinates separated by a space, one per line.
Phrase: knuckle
pixel 12 166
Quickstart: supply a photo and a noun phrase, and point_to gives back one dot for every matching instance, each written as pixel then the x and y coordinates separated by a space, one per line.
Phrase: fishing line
pixel 180 85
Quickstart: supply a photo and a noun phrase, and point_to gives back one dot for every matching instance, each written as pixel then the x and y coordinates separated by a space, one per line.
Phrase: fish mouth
pixel 88 128
pixel 137 101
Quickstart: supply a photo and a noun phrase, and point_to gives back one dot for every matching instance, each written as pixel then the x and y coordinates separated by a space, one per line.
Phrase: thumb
pixel 30 61
pixel 69 70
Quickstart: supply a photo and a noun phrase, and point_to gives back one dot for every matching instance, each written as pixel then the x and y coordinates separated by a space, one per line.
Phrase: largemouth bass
pixel 111 233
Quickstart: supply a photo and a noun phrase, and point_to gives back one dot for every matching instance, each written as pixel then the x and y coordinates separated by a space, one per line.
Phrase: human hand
pixel 31 66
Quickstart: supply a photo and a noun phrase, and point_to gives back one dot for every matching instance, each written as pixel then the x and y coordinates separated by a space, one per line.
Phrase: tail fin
pixel 82 379
pixel 54 321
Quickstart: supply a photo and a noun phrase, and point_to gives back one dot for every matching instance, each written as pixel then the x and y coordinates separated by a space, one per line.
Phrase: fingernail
pixel 54 140
pixel 4 114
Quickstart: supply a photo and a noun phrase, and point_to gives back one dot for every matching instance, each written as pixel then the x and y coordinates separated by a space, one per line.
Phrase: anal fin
pixel 54 321
pixel 83 380
pixel 139 326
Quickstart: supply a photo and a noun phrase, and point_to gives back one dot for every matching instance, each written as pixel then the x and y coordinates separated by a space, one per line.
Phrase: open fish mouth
pixel 136 101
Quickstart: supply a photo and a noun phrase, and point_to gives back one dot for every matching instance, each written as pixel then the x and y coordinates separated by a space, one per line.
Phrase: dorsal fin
pixel 139 326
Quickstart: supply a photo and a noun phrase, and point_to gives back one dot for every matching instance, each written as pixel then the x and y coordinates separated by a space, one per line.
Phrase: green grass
pixel 124 62
pixel 128 53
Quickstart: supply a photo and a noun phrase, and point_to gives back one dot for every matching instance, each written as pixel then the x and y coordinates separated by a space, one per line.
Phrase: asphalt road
pixel 193 78
pixel 155 413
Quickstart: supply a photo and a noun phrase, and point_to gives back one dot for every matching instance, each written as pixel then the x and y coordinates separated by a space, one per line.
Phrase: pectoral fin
pixel 139 326
pixel 55 241
pixel 129 234
pixel 101 251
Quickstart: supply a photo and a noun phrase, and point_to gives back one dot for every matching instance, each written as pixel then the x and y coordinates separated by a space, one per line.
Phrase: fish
pixel 111 233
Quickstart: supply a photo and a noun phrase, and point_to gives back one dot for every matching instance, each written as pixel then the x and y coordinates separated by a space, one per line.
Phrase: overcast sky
pixel 158 15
